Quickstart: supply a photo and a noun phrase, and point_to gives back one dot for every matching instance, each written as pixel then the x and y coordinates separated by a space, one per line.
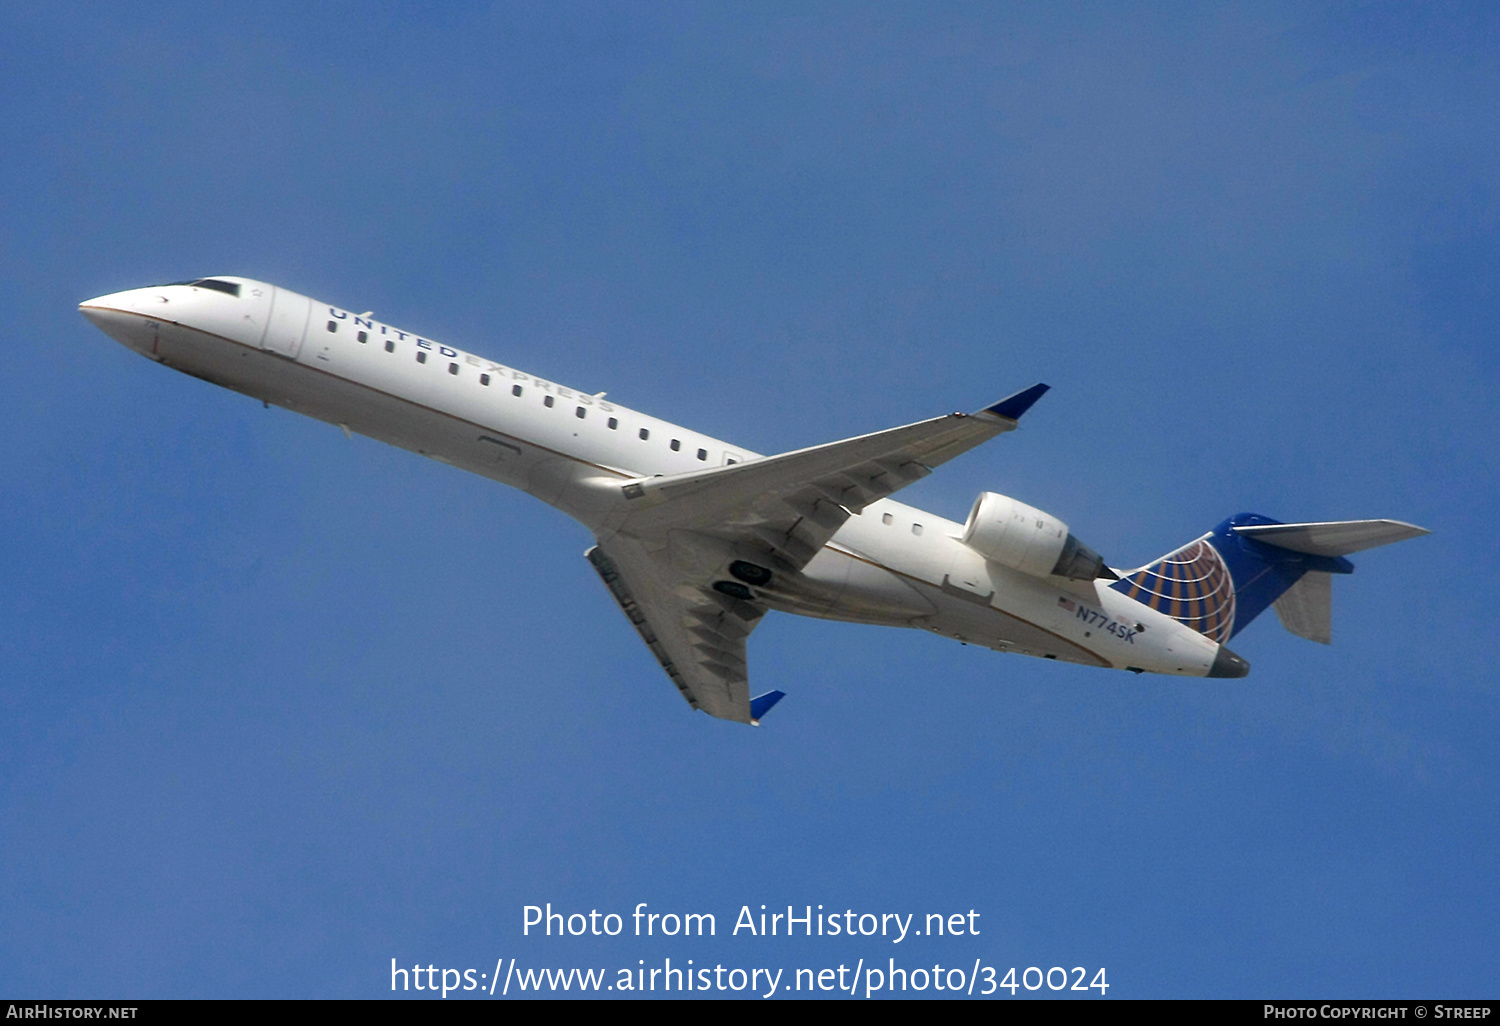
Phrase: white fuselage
pixel 890 564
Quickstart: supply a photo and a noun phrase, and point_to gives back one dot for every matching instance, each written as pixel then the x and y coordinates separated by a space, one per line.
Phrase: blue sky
pixel 280 706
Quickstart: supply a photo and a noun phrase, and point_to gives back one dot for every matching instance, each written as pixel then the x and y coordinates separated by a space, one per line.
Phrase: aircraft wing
pixel 793 503
pixel 697 634
pixel 785 507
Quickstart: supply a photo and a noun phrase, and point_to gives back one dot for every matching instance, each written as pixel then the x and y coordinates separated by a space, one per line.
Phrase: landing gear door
pixel 287 323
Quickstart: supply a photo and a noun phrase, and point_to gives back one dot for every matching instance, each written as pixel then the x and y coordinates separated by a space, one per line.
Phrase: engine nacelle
pixel 1024 538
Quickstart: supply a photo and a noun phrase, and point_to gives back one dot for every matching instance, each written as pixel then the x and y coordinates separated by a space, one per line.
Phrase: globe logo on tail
pixel 1191 585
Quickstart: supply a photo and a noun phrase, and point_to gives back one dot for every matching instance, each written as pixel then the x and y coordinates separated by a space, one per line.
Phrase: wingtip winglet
pixel 1011 407
pixel 761 704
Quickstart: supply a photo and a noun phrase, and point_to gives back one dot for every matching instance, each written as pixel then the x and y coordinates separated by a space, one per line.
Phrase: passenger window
pixel 484 379
pixel 453 368
pixel 703 454
pixel 421 356
pixel 515 389
pixel 676 445
pixel 886 518
pixel 547 402
pixel 645 433
pixel 580 413
pixel 613 423
pixel 363 336
pixel 333 325
pixel 390 346
pixel 916 528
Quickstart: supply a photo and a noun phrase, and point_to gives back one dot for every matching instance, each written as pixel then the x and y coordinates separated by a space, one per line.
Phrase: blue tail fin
pixel 1220 582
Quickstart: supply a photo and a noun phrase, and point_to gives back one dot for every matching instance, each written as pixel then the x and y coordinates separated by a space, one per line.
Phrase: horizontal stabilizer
pixel 1336 538
pixel 1306 608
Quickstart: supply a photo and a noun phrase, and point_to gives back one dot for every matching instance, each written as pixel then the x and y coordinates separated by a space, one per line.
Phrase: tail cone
pixel 1227 664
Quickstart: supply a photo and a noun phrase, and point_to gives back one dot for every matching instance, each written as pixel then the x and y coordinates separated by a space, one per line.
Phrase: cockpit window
pixel 230 287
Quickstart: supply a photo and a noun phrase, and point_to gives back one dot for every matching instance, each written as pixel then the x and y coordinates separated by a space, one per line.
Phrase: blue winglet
pixel 1013 406
pixel 762 705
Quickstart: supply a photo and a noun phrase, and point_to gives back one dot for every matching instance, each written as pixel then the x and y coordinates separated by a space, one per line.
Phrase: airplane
pixel 697 538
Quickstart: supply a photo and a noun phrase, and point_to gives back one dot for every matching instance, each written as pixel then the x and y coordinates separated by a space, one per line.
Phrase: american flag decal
pixel 1067 603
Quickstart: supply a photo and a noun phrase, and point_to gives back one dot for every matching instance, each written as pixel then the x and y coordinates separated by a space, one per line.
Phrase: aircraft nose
pixel 120 315
pixel 96 311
